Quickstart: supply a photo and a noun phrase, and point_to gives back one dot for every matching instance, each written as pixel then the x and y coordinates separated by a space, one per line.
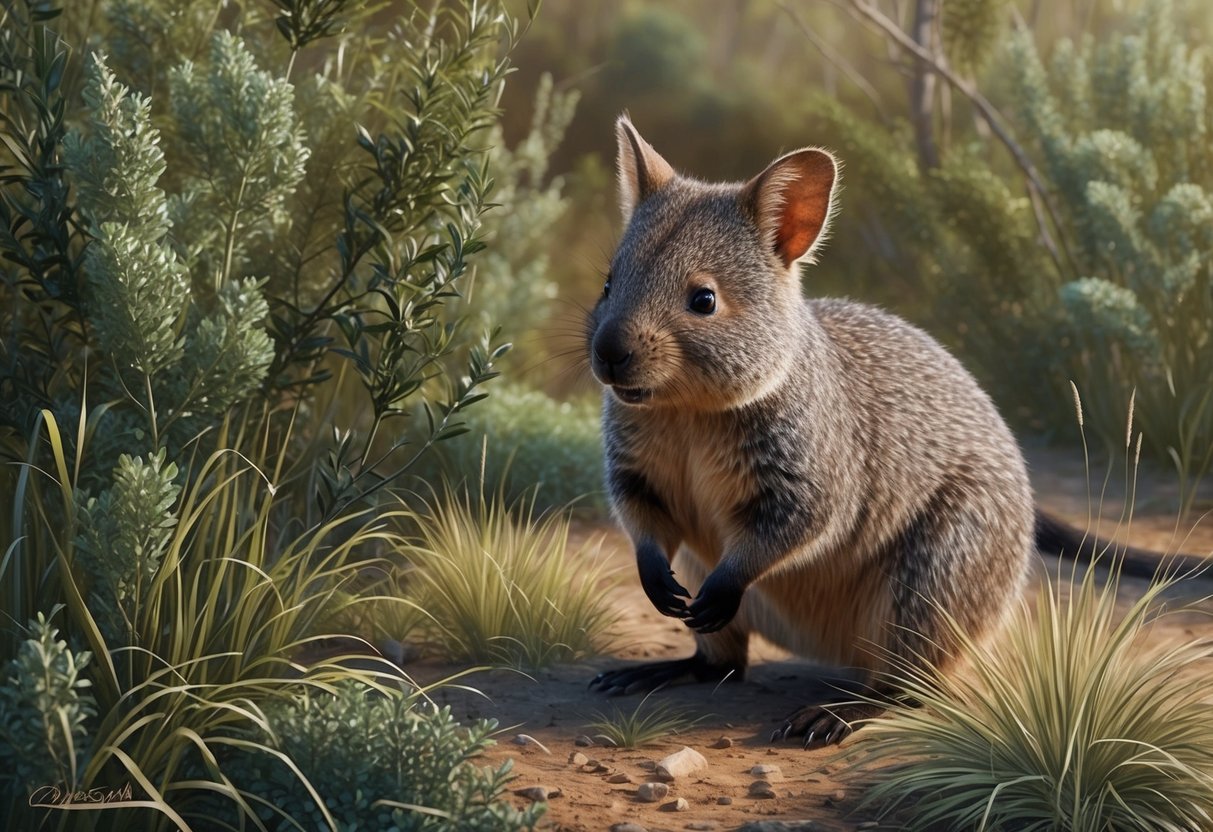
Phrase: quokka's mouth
pixel 632 395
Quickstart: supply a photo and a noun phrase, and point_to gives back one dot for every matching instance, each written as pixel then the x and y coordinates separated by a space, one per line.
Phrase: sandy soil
pixel 815 790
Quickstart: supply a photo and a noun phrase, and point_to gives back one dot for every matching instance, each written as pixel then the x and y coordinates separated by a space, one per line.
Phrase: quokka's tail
pixel 1056 537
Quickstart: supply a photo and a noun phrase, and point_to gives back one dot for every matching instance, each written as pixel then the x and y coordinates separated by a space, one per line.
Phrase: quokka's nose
pixel 611 349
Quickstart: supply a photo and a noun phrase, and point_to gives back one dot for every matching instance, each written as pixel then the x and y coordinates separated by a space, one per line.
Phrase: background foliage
pixel 1025 180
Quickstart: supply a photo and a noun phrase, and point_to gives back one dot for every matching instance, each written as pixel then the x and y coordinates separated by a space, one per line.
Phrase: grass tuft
pixel 643 725
pixel 499 587
pixel 1071 721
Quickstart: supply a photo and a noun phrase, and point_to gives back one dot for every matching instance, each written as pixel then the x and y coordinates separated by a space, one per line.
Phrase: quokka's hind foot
pixel 823 725
pixel 642 678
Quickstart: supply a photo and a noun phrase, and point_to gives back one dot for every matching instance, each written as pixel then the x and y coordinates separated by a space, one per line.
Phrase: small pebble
pixel 583 741
pixel 628 827
pixel 703 825
pixel 527 739
pixel 651 792
pixel 767 771
pixel 578 759
pixel 619 778
pixel 399 653
pixel 724 801
pixel 537 793
pixel 839 794
pixel 762 790
pixel 723 742
pixel 647 765
pixel 679 805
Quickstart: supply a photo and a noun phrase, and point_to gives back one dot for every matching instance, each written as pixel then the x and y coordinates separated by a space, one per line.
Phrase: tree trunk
pixel 922 84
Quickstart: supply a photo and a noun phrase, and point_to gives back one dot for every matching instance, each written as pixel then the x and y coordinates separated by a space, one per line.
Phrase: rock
pixel 703 825
pixel 647 765
pixel 527 739
pixel 724 801
pixel 583 741
pixel 603 739
pixel 679 805
pixel 767 771
pixel 723 742
pixel 578 759
pixel 651 792
pixel 538 793
pixel 595 767
pixel 619 778
pixel 681 763
pixel 399 653
pixel 628 827
pixel 762 790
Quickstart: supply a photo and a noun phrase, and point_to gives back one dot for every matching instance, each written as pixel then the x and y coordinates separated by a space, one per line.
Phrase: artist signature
pixel 63 797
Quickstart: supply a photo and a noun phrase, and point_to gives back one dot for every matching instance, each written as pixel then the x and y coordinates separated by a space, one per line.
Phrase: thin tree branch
pixel 967 88
pixel 837 60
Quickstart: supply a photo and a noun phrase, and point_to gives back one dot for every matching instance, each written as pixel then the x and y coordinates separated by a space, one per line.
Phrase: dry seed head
pixel 1129 424
pixel 1077 403
pixel 1137 452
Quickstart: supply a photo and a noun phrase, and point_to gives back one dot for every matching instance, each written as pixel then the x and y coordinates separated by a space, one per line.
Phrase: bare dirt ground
pixel 814 790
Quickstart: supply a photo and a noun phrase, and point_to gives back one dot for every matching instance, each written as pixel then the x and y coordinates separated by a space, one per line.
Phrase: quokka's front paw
pixel 717 603
pixel 658 581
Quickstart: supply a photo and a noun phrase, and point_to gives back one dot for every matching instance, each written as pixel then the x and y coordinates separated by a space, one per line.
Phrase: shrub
pixel 515 288
pixel 196 259
pixel 1122 127
pixel 536 444
pixel 387 760
pixel 1112 287
pixel 44 708
pixel 1070 721
pixel 500 585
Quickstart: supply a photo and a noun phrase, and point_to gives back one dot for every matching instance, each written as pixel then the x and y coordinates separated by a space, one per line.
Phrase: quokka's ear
pixel 792 202
pixel 641 168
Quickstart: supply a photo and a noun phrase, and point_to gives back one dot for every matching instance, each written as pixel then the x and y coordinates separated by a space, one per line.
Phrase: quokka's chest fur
pixel 702 470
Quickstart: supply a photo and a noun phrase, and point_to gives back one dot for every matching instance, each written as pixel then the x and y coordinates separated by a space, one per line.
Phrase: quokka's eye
pixel 606 288
pixel 703 302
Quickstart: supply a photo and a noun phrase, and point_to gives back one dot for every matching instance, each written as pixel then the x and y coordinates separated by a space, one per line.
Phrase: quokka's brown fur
pixel 829 476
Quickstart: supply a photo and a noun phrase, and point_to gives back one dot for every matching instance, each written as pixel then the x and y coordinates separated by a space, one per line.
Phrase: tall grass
pixel 500 584
pixel 1073 720
pixel 216 636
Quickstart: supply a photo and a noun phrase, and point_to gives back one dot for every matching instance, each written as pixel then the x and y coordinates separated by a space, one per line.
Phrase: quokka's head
pixel 702 305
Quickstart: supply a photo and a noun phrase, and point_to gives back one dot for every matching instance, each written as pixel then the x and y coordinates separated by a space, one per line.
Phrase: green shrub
pixel 1069 721
pixel 200 255
pixel 1111 289
pixel 387 761
pixel 1122 126
pixel 500 585
pixel 44 708
pixel 514 286
pixel 534 443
